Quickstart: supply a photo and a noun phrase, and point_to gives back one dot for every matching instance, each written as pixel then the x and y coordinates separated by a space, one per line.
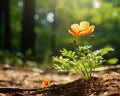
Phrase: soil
pixel 26 81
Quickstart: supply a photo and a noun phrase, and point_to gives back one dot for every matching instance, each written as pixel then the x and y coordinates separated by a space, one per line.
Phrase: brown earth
pixel 22 81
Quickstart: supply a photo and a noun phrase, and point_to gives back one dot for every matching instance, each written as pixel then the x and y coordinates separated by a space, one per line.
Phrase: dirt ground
pixel 24 81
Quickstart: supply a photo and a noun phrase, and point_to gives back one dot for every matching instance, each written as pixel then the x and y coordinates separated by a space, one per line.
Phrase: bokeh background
pixel 32 31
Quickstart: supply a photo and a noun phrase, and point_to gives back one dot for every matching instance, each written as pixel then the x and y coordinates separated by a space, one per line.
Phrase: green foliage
pixel 106 17
pixel 112 61
pixel 65 12
pixel 16 59
pixel 82 60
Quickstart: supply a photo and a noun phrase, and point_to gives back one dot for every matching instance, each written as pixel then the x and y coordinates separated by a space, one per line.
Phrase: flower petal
pixel 90 30
pixel 75 27
pixel 45 82
pixel 84 25
pixel 81 30
pixel 72 32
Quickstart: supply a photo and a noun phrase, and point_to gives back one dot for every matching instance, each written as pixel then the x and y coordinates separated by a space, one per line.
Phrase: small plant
pixel 82 59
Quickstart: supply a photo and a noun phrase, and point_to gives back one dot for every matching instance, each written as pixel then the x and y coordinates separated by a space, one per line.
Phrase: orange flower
pixel 45 82
pixel 81 30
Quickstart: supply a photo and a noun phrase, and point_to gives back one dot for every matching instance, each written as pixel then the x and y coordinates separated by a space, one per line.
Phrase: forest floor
pixel 26 81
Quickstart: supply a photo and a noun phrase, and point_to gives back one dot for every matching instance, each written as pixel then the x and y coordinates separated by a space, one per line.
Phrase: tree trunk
pixel 28 35
pixel 54 25
pixel 5 23
pixel 1 11
pixel 7 34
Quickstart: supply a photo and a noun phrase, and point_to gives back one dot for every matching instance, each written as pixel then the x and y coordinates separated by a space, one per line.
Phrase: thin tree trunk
pixel 28 35
pixel 54 25
pixel 1 11
pixel 5 33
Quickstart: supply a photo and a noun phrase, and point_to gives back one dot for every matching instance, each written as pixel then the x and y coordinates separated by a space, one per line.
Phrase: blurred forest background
pixel 32 31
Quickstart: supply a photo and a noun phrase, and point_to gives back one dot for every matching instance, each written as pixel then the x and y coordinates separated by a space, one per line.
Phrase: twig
pixel 34 91
pixel 47 89
pixel 9 90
